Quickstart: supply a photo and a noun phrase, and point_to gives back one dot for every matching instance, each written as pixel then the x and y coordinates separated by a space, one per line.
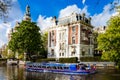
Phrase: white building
pixel 70 36
pixel 101 29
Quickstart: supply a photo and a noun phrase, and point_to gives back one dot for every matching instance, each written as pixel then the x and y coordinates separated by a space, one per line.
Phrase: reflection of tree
pixel 15 73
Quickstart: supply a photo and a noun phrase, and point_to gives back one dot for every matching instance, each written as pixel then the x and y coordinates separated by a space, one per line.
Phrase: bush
pixel 3 59
pixel 68 60
pixel 92 59
pixel 46 60
pixel 73 59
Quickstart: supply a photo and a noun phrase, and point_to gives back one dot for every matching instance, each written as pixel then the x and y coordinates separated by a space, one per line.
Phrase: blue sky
pixel 52 7
pixel 42 12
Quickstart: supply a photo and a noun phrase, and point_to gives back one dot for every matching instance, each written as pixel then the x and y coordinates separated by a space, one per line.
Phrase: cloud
pixel 69 10
pixel 73 9
pixel 97 19
pixel 44 22
pixel 14 15
pixel 102 18
pixel 83 1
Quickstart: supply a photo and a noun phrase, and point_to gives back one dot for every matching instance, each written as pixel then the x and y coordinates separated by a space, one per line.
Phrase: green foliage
pixel 61 60
pixel 109 42
pixel 5 53
pixel 46 60
pixel 44 39
pixel 3 59
pixel 92 59
pixel 26 38
pixel 21 57
pixel 73 59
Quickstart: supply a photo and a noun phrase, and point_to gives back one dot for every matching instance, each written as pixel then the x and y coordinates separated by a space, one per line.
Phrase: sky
pixel 42 12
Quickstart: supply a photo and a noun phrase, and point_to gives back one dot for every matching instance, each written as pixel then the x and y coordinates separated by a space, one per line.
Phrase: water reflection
pixel 15 73
pixel 52 76
pixel 18 73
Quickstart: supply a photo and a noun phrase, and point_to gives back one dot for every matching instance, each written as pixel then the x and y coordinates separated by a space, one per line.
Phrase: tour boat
pixel 79 69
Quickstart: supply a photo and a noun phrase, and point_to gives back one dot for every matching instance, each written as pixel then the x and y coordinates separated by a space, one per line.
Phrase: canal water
pixel 19 73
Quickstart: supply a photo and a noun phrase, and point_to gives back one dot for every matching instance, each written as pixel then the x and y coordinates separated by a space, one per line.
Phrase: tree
pixel 44 39
pixel 26 38
pixel 109 42
pixel 4 53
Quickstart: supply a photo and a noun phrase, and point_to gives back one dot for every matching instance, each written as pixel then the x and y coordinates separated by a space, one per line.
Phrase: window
pixel 60 47
pixel 62 54
pixel 52 51
pixel 80 17
pixel 59 36
pixel 73 40
pixel 73 29
pixel 73 51
pixel 52 32
pixel 63 36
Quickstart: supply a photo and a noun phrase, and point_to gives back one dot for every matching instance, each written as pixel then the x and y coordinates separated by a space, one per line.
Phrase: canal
pixel 18 73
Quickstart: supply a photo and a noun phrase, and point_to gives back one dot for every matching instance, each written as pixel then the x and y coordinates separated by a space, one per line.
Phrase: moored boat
pixel 79 69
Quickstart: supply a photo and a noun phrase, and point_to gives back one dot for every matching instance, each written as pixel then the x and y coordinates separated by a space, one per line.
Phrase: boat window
pixel 48 67
pixel 66 67
pixel 55 67
pixel 39 66
pixel 43 66
pixel 60 67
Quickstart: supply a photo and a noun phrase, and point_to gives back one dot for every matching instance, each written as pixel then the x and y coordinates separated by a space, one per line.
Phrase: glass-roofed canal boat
pixel 64 68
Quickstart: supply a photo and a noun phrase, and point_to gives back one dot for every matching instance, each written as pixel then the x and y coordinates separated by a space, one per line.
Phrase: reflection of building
pixel 70 36
pixel 69 77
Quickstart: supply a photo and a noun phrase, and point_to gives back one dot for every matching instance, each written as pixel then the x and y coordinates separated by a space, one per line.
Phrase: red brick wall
pixel 76 35
pixel 70 35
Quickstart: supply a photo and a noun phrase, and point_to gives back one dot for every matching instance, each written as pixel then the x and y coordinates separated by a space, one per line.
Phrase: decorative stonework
pixel 72 35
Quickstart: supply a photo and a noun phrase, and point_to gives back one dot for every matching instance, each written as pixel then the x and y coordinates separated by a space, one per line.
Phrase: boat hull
pixel 63 71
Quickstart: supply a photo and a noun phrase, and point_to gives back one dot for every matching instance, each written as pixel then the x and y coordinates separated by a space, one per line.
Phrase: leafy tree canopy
pixel 26 38
pixel 109 42
pixel 44 39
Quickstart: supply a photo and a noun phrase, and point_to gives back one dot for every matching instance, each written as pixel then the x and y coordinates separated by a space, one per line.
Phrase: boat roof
pixel 52 64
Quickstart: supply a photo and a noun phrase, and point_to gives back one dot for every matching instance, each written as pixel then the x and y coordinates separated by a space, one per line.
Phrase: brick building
pixel 70 36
